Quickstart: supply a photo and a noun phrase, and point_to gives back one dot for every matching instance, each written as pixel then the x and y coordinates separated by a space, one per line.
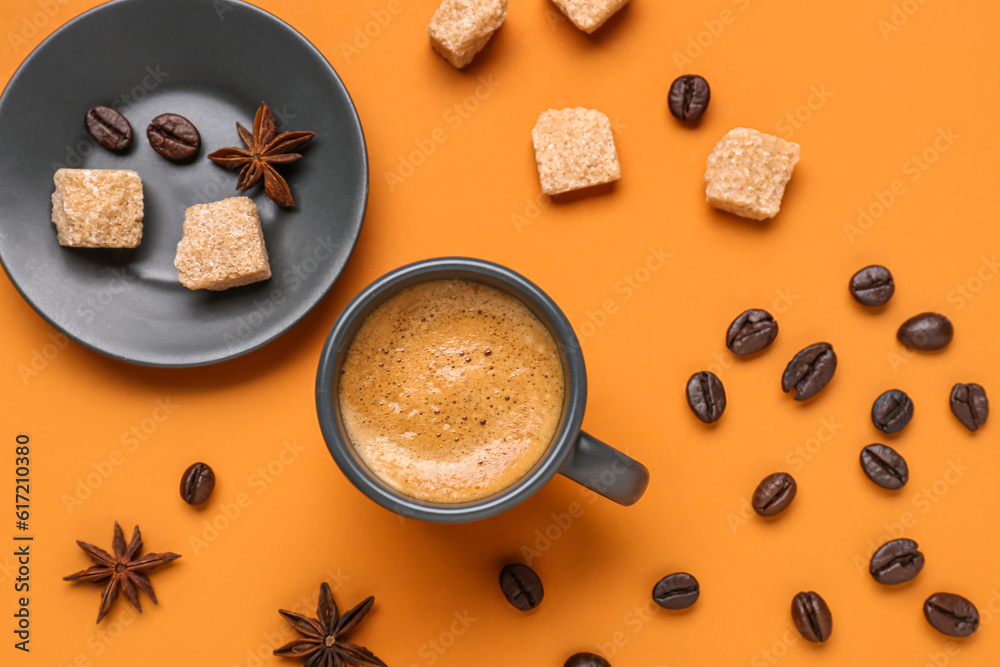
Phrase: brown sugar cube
pixel 747 173
pixel 97 208
pixel 459 29
pixel 574 149
pixel 222 246
pixel 589 15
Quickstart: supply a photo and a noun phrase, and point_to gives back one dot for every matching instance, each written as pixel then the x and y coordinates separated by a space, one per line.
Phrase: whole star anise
pixel 322 642
pixel 264 149
pixel 123 571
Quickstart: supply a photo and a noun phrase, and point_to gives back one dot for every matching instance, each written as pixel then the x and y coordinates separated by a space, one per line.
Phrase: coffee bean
pixel 521 586
pixel 951 614
pixel 926 332
pixel 706 396
pixel 892 411
pixel 174 137
pixel 812 617
pixel 676 591
pixel 872 285
pixel 586 660
pixel 809 371
pixel 751 332
pixel 896 562
pixel 689 96
pixel 774 494
pixel 884 466
pixel 197 484
pixel 111 129
pixel 970 405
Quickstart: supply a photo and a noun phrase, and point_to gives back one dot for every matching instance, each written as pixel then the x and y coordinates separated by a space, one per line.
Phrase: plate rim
pixel 366 185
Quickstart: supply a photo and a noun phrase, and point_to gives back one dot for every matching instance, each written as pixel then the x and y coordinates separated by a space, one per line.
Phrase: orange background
pixel 873 83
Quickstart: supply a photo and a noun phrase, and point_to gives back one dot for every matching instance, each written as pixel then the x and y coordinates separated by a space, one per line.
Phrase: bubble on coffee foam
pixel 442 454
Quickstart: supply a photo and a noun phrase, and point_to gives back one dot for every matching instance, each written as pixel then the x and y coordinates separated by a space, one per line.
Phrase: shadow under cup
pixel 571 452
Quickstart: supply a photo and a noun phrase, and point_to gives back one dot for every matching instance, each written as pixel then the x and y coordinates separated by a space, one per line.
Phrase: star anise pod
pixel 264 149
pixel 123 571
pixel 322 642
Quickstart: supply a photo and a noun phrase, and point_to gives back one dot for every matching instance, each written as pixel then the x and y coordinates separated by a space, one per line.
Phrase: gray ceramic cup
pixel 572 453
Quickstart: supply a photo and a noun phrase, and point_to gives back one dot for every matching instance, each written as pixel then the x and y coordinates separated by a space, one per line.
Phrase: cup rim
pixel 443 268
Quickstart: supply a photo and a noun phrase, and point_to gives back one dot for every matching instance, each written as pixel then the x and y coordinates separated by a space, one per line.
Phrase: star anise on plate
pixel 123 571
pixel 322 643
pixel 264 149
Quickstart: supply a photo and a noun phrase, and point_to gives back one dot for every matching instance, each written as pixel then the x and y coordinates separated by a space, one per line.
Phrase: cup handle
pixel 605 470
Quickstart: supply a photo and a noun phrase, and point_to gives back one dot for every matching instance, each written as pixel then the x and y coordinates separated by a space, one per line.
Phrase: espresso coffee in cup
pixel 451 391
pixel 500 336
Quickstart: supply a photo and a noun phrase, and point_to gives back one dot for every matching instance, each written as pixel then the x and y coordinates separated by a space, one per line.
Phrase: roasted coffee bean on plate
pixel 812 617
pixel 872 286
pixel 111 129
pixel 197 483
pixel 521 586
pixel 809 371
pixel 689 96
pixel 926 332
pixel 586 660
pixel 676 591
pixel 951 614
pixel 896 562
pixel 706 396
pixel 173 136
pixel 884 466
pixel 752 331
pixel 970 405
pixel 774 494
pixel 892 411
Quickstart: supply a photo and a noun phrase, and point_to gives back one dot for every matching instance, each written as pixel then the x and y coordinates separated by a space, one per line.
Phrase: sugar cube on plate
pixel 222 246
pixel 97 208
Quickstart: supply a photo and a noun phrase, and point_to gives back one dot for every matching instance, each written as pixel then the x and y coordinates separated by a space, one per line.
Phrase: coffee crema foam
pixel 451 390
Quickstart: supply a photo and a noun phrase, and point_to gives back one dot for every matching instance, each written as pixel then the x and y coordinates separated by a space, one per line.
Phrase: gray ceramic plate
pixel 212 61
